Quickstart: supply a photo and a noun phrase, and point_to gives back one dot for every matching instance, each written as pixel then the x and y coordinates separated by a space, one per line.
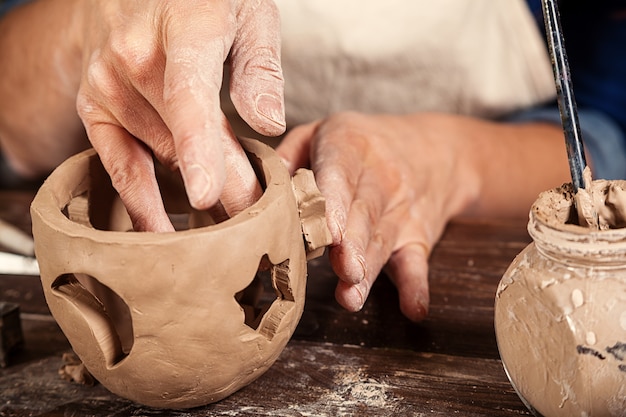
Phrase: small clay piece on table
pixel 175 320
pixel 73 370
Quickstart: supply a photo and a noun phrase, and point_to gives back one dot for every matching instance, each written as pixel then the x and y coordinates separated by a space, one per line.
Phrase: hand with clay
pixel 150 75
pixel 392 183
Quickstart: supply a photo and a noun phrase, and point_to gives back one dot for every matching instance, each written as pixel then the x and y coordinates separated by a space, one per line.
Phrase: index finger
pixel 195 54
pixel 191 104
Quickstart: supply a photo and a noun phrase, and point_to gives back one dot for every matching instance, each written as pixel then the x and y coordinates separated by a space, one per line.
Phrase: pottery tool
pixel 19 260
pixel 565 93
pixel 13 264
pixel 15 240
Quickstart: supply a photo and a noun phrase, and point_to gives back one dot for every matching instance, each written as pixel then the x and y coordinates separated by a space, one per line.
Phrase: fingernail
pixel 361 289
pixel 362 268
pixel 336 227
pixel 198 185
pixel 422 307
pixel 271 107
pixel 419 307
pixel 356 269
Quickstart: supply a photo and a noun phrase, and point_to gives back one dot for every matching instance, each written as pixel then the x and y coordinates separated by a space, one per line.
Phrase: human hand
pixel 152 72
pixel 391 184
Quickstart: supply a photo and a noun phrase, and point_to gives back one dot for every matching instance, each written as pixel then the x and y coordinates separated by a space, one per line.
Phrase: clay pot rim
pixel 54 195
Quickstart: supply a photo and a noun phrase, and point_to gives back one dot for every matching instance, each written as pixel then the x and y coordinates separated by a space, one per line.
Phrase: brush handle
pixel 565 93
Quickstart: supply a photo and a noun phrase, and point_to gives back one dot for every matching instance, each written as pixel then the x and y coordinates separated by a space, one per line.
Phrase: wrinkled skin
pixel 392 183
pixel 144 77
pixel 152 72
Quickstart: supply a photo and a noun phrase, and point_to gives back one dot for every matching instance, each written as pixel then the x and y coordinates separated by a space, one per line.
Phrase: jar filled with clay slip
pixel 560 309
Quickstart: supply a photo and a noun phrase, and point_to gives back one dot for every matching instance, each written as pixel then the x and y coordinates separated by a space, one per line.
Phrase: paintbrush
pixel 565 94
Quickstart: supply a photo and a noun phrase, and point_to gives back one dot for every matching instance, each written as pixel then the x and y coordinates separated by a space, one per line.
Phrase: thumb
pixel 256 79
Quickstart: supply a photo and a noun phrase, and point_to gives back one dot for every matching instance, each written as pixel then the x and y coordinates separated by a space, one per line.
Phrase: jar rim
pixel 553 225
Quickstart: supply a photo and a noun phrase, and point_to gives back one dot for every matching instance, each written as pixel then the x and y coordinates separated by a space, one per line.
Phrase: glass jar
pixel 560 314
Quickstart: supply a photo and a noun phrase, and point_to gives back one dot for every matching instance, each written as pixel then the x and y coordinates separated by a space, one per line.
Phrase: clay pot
pixel 175 319
pixel 560 315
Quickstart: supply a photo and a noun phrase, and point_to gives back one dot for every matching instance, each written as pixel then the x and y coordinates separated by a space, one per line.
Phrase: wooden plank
pixel 465 269
pixel 309 379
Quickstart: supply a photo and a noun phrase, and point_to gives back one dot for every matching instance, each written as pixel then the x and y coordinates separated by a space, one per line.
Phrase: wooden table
pixel 372 363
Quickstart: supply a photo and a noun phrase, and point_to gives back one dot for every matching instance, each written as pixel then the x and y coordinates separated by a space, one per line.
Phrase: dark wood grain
pixel 372 363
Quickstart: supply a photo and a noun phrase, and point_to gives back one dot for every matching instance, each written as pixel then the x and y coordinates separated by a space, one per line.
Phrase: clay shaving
pixel 73 370
pixel 601 204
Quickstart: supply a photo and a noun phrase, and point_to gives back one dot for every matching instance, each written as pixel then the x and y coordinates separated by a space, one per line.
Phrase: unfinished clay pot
pixel 560 314
pixel 179 319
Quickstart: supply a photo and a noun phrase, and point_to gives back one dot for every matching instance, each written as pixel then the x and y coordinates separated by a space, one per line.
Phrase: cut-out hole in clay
pixel 270 285
pixel 104 312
